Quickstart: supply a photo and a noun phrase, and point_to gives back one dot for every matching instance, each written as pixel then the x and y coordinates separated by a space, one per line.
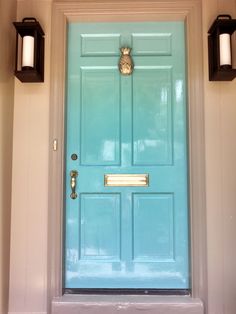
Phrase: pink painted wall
pixel 7 39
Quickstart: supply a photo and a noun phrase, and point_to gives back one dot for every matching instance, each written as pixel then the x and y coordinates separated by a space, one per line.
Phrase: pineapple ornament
pixel 126 65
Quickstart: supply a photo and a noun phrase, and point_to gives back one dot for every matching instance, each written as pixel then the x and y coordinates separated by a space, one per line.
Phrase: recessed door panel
pixel 100 44
pixel 100 226
pixel 126 226
pixel 100 116
pixel 152 44
pixel 152 116
pixel 153 227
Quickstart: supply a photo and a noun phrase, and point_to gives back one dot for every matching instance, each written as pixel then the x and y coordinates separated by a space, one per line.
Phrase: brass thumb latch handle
pixel 73 175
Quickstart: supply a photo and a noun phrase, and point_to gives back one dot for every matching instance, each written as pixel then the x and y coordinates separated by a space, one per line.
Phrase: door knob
pixel 73 176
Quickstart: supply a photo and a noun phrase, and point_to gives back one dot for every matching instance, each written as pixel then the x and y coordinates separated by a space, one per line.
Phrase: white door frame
pixel 188 11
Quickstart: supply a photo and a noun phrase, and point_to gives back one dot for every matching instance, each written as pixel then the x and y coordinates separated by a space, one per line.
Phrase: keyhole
pixel 74 157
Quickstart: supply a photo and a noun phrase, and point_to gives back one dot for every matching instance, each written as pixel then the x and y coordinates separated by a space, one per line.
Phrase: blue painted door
pixel 126 236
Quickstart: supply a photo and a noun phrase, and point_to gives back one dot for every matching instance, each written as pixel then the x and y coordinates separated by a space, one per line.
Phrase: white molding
pixel 136 10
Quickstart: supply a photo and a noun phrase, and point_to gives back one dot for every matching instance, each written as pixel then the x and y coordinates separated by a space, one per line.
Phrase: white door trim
pixel 130 10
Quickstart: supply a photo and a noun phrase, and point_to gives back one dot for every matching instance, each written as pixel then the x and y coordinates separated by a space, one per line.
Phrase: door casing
pixel 190 12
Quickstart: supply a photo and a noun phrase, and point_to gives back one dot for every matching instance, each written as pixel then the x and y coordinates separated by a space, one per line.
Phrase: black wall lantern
pixel 29 63
pixel 220 49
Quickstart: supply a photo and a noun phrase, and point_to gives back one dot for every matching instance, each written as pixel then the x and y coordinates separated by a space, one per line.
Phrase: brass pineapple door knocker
pixel 126 64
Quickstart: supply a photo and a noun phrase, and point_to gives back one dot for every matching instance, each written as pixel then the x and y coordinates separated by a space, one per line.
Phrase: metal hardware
pixel 74 156
pixel 126 180
pixel 220 49
pixel 29 59
pixel 73 175
pixel 126 65
pixel 55 144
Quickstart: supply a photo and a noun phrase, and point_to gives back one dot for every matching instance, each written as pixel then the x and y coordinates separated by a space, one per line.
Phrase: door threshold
pixel 129 291
pixel 107 304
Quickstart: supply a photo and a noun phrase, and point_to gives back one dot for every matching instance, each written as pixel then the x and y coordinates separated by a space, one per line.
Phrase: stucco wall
pixel 7 38
pixel 28 284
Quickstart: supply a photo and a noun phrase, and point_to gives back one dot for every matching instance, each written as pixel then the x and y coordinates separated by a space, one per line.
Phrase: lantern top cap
pixel 224 24
pixel 28 25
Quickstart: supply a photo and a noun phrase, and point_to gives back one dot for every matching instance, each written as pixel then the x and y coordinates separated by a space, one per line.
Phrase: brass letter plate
pixel 126 179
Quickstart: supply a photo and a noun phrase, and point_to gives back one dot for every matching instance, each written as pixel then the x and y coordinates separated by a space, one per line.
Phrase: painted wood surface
pixel 127 237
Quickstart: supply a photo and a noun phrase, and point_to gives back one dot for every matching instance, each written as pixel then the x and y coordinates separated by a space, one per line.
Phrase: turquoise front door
pixel 126 208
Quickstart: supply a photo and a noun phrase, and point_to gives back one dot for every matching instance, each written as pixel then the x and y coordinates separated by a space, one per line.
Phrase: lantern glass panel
pixel 19 53
pixel 233 45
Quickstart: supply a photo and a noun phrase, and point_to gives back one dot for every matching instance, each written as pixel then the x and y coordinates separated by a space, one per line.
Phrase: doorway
pixel 127 130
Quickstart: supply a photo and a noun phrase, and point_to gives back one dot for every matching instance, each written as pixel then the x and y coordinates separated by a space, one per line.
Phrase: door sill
pixel 127 291
pixel 133 304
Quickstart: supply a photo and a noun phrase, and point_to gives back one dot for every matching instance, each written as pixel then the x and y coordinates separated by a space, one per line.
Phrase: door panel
pixel 100 226
pixel 126 236
pixel 152 116
pixel 153 213
pixel 100 134
pixel 152 44
pixel 100 45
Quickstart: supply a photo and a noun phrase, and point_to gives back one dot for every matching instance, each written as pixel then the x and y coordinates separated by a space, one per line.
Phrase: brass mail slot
pixel 126 179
